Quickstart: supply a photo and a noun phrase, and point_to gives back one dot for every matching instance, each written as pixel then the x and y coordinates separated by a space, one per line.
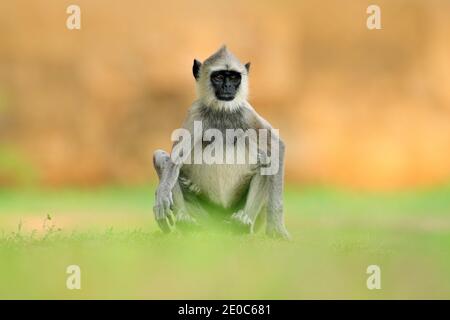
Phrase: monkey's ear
pixel 247 66
pixel 196 69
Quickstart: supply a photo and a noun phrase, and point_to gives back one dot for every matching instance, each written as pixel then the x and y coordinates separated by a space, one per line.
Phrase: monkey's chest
pixel 222 184
pixel 227 168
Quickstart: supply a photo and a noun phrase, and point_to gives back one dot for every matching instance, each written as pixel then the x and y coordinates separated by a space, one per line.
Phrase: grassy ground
pixel 111 235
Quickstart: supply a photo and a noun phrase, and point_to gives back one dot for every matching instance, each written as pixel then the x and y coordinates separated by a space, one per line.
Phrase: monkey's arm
pixel 275 219
pixel 168 177
pixel 163 197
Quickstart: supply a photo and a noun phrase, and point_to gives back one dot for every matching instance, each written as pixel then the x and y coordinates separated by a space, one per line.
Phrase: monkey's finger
pixel 156 211
pixel 166 212
pixel 171 201
pixel 167 209
pixel 161 218
pixel 163 225
pixel 169 217
pixel 159 211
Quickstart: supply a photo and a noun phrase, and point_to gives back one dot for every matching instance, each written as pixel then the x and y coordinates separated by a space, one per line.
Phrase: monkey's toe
pixel 241 222
pixel 278 232
pixel 185 222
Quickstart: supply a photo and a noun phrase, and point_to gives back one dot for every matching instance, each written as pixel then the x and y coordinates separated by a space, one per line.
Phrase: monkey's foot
pixel 241 221
pixel 185 222
pixel 278 232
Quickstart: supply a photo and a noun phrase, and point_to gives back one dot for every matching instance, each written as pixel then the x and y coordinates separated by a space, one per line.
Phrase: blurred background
pixel 357 108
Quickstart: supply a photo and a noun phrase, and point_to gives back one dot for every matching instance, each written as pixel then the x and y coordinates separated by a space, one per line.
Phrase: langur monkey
pixel 191 192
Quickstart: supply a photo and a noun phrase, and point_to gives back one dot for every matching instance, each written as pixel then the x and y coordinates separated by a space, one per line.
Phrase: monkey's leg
pixel 254 204
pixel 161 160
pixel 275 218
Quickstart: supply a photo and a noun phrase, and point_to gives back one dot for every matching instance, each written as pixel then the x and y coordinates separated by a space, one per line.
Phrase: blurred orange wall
pixel 358 108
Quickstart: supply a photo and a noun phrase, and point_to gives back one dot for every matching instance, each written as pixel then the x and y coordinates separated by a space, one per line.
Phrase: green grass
pixel 111 235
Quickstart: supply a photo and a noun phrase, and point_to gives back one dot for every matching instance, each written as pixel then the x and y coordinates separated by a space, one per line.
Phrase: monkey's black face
pixel 226 84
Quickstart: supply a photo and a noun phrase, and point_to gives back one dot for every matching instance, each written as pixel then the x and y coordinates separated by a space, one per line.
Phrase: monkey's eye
pixel 218 77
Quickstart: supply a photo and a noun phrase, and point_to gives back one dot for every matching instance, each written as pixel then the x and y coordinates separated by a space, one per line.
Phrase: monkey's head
pixel 222 80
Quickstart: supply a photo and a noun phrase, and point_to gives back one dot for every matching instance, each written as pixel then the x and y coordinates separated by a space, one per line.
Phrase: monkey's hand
pixel 277 231
pixel 163 208
pixel 185 222
pixel 241 221
pixel 263 159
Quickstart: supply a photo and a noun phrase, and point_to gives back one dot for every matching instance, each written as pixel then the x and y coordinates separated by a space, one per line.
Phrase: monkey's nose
pixel 228 87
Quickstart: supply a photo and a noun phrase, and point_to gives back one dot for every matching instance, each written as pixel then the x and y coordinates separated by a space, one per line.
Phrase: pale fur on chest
pixel 222 184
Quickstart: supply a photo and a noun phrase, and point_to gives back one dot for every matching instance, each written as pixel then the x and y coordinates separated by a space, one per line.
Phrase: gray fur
pixel 223 119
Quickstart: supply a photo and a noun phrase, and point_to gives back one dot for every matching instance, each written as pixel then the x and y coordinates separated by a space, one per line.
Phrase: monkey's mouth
pixel 225 97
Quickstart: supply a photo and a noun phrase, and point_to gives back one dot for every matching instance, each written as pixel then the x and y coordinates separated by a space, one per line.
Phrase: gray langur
pixel 188 192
